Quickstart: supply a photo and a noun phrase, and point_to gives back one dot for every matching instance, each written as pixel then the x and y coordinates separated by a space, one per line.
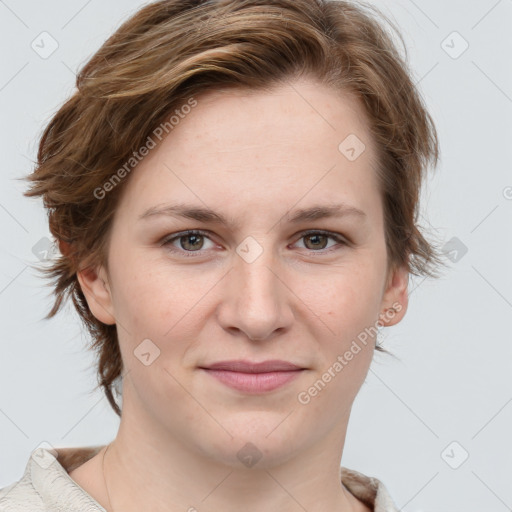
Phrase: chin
pixel 259 441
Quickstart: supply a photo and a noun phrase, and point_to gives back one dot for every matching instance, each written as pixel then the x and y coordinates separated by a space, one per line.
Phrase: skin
pixel 255 157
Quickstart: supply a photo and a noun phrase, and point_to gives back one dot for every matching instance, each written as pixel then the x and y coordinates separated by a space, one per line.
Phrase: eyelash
pixel 191 254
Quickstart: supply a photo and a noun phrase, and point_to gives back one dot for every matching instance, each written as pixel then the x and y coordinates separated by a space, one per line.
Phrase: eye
pixel 316 240
pixel 192 241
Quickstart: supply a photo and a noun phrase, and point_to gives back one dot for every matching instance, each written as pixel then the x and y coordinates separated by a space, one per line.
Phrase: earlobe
pixel 95 287
pixel 396 297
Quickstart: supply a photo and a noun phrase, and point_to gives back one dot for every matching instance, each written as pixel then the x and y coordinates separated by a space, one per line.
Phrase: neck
pixel 194 480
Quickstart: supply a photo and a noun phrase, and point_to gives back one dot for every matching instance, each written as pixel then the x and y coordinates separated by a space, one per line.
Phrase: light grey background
pixel 453 380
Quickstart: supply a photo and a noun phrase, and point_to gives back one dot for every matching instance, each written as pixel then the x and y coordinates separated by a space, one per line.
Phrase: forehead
pixel 298 142
pixel 302 111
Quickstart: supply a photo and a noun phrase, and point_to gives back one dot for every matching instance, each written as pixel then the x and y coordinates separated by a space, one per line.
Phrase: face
pixel 296 271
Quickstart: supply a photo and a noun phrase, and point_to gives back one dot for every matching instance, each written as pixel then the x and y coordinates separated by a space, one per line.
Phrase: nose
pixel 256 299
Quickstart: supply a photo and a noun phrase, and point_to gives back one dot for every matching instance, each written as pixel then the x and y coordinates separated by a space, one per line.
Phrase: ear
pixel 95 287
pixel 395 298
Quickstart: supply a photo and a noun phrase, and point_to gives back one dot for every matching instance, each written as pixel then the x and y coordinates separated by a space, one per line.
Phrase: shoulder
pixel 369 490
pixel 46 485
pixel 21 496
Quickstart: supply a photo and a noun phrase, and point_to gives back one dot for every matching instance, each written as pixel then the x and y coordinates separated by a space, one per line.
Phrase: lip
pixel 240 365
pixel 251 377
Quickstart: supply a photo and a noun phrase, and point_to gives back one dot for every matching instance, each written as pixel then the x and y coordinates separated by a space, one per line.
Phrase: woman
pixel 234 187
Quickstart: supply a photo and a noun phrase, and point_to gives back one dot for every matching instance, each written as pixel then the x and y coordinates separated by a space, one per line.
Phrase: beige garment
pixel 47 487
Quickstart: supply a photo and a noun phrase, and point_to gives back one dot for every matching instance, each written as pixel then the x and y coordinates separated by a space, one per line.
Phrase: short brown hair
pixel 172 50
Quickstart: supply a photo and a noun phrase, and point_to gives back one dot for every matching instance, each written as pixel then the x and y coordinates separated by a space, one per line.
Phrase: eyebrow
pixel 206 215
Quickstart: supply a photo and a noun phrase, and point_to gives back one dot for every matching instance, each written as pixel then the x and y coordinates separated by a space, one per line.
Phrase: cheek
pixel 348 307
pixel 160 304
pixel 151 292
pixel 346 299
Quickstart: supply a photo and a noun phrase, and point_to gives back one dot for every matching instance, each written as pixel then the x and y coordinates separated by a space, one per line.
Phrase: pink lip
pixel 254 377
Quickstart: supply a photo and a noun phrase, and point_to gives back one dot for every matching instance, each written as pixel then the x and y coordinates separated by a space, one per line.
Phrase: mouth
pixel 254 378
